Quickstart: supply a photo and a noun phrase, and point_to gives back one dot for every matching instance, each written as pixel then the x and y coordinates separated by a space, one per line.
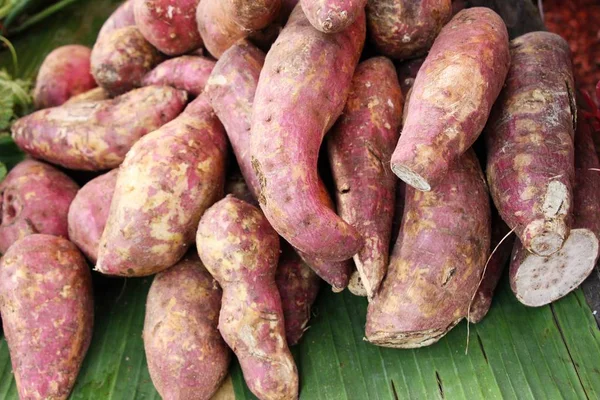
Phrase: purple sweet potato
pixel 495 266
pixel 187 358
pixel 121 59
pixel 536 280
pixel 34 198
pixel 240 249
pixel 187 73
pixel 64 73
pixel 96 135
pixel 89 211
pixel 452 96
pixel 95 94
pixel 530 143
pixel 120 18
pixel 360 146
pixel 231 88
pixel 47 314
pixel 437 262
pixel 170 25
pixel 167 181
pixel 223 23
pixel 403 29
pixel 307 74
pixel 332 16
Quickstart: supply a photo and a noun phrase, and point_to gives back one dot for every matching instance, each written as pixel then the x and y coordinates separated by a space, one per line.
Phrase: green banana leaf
pixel 517 352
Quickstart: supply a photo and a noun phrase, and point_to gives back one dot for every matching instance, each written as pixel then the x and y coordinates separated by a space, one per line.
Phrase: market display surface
pixel 189 187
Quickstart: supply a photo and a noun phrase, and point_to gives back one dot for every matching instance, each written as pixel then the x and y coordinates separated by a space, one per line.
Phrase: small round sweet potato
pixel 120 18
pixel 64 73
pixel 47 314
pixel 34 198
pixel 187 73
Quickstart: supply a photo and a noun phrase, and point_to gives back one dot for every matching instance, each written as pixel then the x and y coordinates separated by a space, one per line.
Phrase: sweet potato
pixel 360 146
pixel 187 358
pixel 170 25
pixel 536 280
pixel 222 23
pixel 307 74
pixel 495 266
pixel 403 29
pixel 120 18
pixel 231 88
pixel 96 135
pixel 95 94
pixel 187 73
pixel 332 16
pixel 47 314
pixel 355 286
pixel 452 96
pixel 34 198
pixel 89 211
pixel 167 181
pixel 64 73
pixel 240 249
pixel 121 59
pixel 437 262
pixel 530 143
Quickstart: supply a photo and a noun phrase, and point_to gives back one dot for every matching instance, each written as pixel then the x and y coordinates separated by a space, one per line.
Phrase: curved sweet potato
pixel 403 29
pixel 64 73
pixel 167 181
pixel 452 96
pixel 530 143
pixel 121 59
pixel 170 25
pixel 307 74
pixel 240 249
pixel 437 261
pixel 89 211
pixel 187 73
pixel 47 314
pixel 360 146
pixel 120 18
pixel 34 198
pixel 96 135
pixel 332 16
pixel 187 358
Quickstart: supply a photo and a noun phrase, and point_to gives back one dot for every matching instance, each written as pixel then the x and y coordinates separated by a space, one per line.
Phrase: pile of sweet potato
pixel 203 122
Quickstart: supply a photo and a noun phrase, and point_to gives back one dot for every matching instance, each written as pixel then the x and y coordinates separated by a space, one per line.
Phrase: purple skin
pixel 187 358
pixel 332 16
pixel 96 135
pixel 187 73
pixel 452 96
pixel 240 249
pixel 167 181
pixel 120 18
pixel 34 198
pixel 47 314
pixel 89 211
pixel 310 93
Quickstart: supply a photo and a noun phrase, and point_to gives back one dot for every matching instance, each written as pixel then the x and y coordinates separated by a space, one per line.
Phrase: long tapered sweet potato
pixel 332 16
pixel 167 181
pixel 187 73
pixel 240 249
pixel 120 18
pixel 121 59
pixel 96 135
pixel 360 146
pixel 437 262
pixel 170 25
pixel 231 89
pixel 307 74
pixel 187 358
pixel 403 29
pixel 89 211
pixel 64 73
pixel 452 96
pixel 34 198
pixel 536 280
pixel 530 143
pixel 47 314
